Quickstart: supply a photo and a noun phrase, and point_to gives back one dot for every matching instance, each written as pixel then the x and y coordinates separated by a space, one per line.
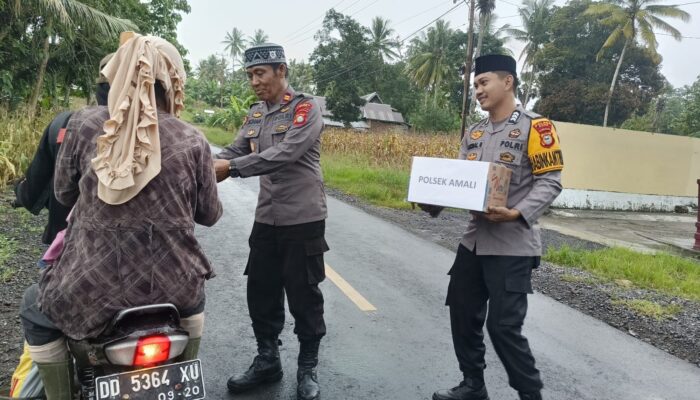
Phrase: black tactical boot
pixel 266 368
pixel 307 379
pixel 530 395
pixel 471 388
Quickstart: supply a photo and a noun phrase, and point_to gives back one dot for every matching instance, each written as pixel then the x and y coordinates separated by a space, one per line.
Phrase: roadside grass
pixel 19 139
pixel 650 308
pixel 665 273
pixel 8 248
pixel 356 176
pixel 217 136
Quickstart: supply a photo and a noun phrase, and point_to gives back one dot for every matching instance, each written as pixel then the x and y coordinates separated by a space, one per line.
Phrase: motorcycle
pixel 138 357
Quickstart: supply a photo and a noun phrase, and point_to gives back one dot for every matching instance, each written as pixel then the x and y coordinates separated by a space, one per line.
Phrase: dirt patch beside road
pixel 22 231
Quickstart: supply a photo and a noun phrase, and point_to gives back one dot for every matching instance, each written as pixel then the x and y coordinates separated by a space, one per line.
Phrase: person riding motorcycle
pixel 138 180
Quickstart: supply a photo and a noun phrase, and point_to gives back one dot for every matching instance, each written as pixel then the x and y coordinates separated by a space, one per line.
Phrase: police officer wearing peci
pixel 501 247
pixel 280 142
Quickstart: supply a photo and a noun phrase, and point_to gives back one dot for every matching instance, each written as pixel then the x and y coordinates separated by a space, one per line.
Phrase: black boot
pixel 471 388
pixel 307 379
pixel 530 395
pixel 266 368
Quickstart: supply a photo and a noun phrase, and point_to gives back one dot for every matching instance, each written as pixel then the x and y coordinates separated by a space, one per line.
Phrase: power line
pixel 351 15
pixel 316 19
pixel 301 32
pixel 352 67
pixel 419 14
pixel 429 23
pixel 687 4
pixel 512 4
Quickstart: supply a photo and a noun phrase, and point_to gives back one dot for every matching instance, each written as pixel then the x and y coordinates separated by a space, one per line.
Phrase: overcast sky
pixel 294 23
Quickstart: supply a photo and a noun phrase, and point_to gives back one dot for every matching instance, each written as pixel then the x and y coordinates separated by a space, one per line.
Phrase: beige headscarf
pixel 128 154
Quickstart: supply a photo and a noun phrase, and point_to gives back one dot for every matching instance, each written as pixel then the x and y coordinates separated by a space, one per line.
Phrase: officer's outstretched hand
pixel 500 214
pixel 434 211
pixel 221 168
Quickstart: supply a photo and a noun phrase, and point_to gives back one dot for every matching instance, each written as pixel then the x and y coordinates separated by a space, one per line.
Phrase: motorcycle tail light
pixel 151 350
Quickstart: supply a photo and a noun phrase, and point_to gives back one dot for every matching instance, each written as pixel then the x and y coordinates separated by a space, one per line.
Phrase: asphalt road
pixel 403 350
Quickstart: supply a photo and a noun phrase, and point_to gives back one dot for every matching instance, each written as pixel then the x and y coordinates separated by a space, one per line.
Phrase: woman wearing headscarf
pixel 138 179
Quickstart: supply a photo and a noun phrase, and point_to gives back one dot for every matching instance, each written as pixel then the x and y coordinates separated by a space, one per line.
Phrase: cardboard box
pixel 471 185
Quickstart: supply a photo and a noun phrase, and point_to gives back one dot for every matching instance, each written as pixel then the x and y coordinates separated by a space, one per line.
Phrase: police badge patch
pixel 507 157
pixel 514 134
pixel 472 156
pixel 544 128
pixel 476 135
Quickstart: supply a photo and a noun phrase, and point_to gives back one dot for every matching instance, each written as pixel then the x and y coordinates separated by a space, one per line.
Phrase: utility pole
pixel 468 65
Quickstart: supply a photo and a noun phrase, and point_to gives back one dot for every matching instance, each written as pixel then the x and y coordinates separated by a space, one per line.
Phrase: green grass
pixel 650 308
pixel 217 136
pixel 380 186
pixel 8 248
pixel 662 272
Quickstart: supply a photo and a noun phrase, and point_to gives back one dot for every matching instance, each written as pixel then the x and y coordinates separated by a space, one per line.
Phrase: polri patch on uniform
pixel 514 117
pixel 281 128
pixel 257 114
pixel 472 156
pixel 476 135
pixel 507 157
pixel 514 134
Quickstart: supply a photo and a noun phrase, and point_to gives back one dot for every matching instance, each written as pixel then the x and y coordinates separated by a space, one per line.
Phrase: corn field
pixel 19 139
pixel 388 149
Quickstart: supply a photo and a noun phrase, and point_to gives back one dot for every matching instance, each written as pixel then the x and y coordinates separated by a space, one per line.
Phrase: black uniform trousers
pixel 504 283
pixel 287 259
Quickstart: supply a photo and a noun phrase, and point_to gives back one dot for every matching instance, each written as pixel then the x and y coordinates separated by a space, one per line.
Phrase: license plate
pixel 181 381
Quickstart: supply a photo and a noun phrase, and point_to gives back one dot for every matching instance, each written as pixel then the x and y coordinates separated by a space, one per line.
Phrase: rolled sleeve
pixel 545 189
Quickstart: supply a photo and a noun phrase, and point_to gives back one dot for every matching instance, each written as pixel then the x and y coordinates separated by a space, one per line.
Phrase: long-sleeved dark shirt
pixel 137 253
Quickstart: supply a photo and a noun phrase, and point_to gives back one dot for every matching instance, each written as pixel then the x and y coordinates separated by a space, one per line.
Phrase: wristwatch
pixel 232 170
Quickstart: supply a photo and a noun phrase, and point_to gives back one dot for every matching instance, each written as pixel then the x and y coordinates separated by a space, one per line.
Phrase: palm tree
pixel 235 45
pixel 259 38
pixel 486 8
pixel 428 64
pixel 383 40
pixel 632 19
pixel 57 15
pixel 535 15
